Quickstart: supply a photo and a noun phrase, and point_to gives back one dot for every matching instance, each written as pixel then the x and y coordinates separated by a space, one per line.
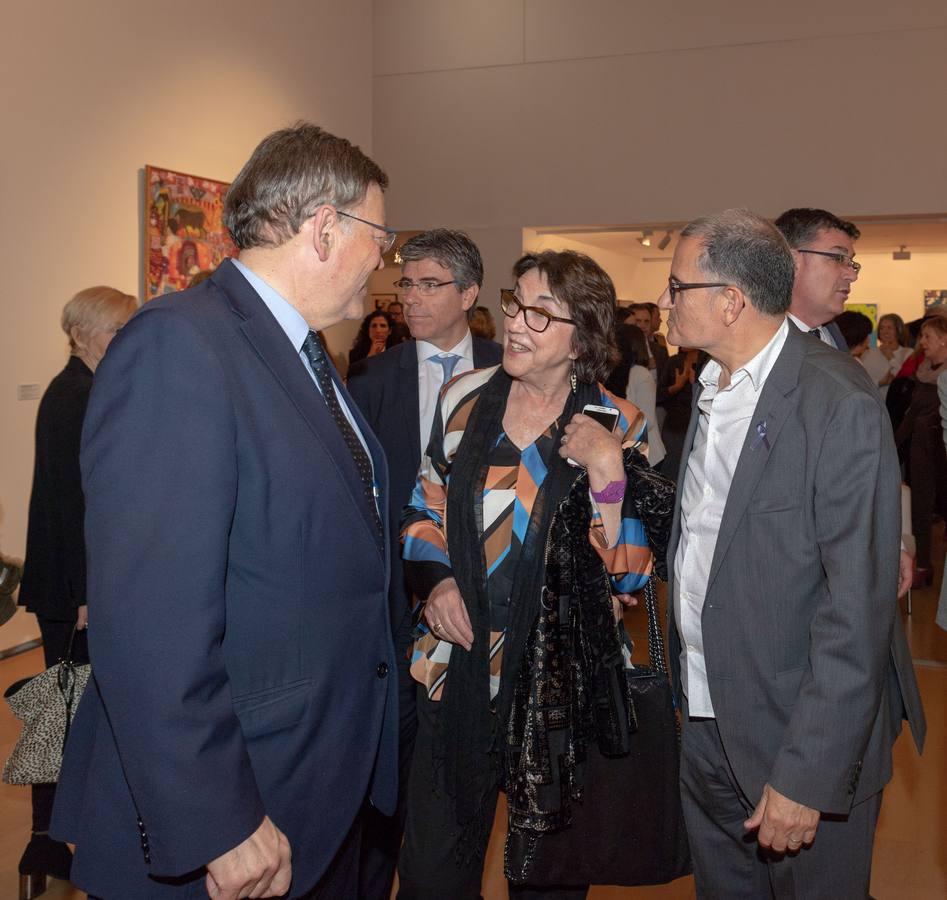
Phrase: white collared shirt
pixel 431 378
pixel 725 415
pixel 824 335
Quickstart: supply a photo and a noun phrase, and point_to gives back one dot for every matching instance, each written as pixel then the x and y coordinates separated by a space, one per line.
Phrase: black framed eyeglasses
pixel 386 242
pixel 675 286
pixel 425 287
pixel 840 258
pixel 535 317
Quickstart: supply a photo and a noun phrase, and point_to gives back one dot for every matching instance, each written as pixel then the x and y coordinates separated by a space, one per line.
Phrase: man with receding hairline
pixel 791 667
pixel 241 715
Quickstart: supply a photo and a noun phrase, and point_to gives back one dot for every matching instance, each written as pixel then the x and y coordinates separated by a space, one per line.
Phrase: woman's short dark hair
pixel 632 337
pixel 583 286
pixel 290 175
pixel 855 327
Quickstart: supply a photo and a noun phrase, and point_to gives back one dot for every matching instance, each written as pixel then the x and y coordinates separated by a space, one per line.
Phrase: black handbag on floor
pixel 629 828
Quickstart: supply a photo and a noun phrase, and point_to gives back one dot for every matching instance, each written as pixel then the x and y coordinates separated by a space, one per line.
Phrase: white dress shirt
pixel 431 379
pixel 725 416
pixel 823 332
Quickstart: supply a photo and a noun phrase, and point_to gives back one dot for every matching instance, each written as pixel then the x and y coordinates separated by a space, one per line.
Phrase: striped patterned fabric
pixel 514 479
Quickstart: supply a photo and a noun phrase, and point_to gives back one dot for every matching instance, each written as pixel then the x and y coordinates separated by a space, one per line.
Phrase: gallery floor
pixel 910 846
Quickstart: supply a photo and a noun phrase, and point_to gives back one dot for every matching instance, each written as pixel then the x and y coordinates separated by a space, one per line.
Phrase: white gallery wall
pixel 89 93
pixel 495 115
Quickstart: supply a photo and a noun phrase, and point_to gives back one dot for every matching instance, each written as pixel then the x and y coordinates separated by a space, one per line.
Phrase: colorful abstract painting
pixel 184 230
pixel 934 298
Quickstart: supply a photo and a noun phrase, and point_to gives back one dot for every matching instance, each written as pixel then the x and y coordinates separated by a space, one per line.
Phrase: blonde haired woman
pixel 53 584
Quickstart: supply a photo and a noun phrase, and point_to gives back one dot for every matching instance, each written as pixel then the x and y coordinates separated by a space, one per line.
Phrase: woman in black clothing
pixel 920 442
pixel 53 584
pixel 376 335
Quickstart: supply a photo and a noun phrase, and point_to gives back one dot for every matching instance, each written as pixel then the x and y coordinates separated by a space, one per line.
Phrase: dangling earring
pixel 572 380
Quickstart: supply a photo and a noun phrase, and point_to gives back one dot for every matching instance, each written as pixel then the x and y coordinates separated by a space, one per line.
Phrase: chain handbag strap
pixel 655 635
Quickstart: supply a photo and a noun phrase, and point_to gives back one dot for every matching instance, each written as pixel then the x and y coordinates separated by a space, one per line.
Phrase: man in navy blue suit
pixel 397 391
pixel 241 715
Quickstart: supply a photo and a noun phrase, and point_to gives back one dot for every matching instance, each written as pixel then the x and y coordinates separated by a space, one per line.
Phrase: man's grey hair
pixel 290 175
pixel 453 250
pixel 744 249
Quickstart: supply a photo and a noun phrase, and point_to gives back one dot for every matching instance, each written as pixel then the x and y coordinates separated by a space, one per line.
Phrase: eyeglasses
pixel 425 287
pixel 675 287
pixel 840 258
pixel 386 242
pixel 535 317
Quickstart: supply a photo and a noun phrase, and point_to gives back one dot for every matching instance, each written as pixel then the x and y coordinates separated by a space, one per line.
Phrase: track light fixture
pixel 645 239
pixel 663 243
pixel 903 253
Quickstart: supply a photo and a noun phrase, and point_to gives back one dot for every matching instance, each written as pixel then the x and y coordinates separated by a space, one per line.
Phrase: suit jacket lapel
pixel 407 389
pixel 272 345
pixel 772 410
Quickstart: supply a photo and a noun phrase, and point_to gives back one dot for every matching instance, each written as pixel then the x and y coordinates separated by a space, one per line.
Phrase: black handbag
pixel 629 828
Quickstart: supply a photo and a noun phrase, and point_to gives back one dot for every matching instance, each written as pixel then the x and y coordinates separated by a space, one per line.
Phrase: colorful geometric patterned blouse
pixel 513 481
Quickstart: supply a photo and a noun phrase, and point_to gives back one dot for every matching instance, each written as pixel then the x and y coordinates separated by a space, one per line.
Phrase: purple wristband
pixel 613 492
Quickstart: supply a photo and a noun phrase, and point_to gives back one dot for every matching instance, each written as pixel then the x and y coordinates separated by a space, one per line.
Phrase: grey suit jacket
pixel 807 663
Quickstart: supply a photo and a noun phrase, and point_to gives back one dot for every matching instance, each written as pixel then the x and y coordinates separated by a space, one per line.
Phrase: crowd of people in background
pixel 327 617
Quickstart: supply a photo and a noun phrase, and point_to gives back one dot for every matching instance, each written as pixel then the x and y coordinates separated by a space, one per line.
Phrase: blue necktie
pixel 448 363
pixel 319 361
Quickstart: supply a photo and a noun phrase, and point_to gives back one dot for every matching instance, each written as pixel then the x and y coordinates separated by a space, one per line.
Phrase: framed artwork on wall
pixel 934 298
pixel 184 230
pixel 382 300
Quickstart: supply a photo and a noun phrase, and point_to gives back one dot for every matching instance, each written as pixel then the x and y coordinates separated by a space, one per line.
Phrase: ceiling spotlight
pixel 903 253
pixel 645 239
pixel 397 259
pixel 663 243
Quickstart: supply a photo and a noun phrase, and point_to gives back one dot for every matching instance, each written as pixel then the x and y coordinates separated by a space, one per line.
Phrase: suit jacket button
pixel 382 670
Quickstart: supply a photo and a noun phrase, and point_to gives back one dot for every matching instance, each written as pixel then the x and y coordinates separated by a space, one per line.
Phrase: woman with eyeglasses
pixel 511 452
pixel 54 584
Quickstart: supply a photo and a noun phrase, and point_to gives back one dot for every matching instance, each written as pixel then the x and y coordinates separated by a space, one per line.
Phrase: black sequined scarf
pixel 571 689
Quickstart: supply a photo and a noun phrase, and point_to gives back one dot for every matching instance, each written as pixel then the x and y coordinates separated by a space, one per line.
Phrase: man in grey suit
pixel 785 650
pixel 823 254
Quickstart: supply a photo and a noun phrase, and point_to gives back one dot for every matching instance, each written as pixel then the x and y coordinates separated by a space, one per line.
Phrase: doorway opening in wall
pixel 903 257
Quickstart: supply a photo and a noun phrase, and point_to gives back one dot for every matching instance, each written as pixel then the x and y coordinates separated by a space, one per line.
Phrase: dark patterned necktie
pixel 319 361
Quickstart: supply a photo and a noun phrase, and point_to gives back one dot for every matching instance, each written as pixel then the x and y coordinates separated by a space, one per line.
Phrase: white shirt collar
pixel 463 348
pixel 757 369
pixel 804 327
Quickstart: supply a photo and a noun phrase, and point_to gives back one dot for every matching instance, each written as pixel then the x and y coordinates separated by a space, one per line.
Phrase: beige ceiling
pixel 917 234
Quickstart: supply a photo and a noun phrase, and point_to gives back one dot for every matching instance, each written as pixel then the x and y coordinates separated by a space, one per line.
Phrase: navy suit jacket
pixel 239 633
pixel 385 387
